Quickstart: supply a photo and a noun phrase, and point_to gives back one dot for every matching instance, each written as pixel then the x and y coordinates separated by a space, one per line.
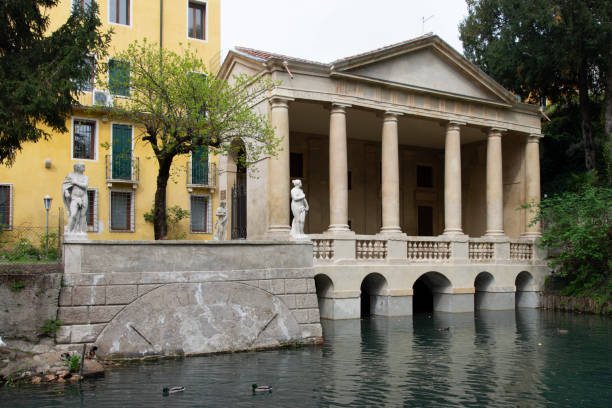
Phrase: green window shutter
pixel 122 152
pixel 199 165
pixel 119 77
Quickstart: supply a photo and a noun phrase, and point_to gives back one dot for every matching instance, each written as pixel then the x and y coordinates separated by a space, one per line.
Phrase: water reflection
pixel 481 359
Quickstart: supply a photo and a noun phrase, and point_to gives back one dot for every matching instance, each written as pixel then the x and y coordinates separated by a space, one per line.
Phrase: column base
pixel 279 233
pixel 391 232
pixel 531 235
pixel 453 231
pixel 495 233
pixel 339 229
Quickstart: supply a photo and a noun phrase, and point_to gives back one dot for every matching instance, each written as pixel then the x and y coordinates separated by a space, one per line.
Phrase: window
pixel 296 165
pixel 6 206
pixel 84 139
pixel 88 84
pixel 424 176
pixel 84 4
pixel 121 211
pixel 196 19
pixel 199 165
pixel 119 11
pixel 92 210
pixel 119 77
pixel 201 216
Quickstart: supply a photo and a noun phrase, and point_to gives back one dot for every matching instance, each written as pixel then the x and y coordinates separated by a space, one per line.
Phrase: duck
pixel 172 390
pixel 261 388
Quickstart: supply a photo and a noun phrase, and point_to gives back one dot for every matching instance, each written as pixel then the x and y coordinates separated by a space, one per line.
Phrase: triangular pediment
pixel 433 66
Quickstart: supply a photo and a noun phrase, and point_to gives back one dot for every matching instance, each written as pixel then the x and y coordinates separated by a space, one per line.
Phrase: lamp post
pixel 47 202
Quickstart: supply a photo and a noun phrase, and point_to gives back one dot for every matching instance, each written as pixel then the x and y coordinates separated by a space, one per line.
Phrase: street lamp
pixel 47 202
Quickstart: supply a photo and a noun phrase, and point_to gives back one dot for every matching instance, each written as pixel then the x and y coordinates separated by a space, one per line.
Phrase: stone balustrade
pixel 441 249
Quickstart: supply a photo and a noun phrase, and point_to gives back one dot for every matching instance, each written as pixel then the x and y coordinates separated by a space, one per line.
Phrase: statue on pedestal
pixel 299 208
pixel 74 193
pixel 221 222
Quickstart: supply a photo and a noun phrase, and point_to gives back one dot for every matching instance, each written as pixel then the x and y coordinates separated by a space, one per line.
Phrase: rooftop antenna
pixel 424 20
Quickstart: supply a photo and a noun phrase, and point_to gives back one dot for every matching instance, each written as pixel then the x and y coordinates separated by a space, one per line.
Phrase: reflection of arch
pixel 236 188
pixel 482 284
pixel 325 292
pixel 373 295
pixel 427 291
pixel 526 294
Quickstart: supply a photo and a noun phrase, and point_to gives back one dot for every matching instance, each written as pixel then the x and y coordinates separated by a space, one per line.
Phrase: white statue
pixel 221 222
pixel 299 208
pixel 74 192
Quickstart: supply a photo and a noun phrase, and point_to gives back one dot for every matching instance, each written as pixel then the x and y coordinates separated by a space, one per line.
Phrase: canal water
pixel 482 359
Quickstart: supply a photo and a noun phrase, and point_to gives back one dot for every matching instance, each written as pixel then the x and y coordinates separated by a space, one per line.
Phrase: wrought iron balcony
pixel 201 176
pixel 122 170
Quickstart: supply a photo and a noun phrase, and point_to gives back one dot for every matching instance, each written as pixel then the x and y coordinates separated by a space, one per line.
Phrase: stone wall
pixel 143 298
pixel 28 296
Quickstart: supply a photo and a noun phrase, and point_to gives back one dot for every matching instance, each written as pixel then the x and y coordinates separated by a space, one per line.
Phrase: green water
pixel 485 359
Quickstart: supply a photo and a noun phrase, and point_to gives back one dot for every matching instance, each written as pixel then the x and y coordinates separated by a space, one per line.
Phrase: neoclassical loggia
pixel 413 162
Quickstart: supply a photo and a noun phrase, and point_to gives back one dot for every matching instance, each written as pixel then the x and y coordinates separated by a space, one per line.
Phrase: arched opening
pixel 325 290
pixel 427 291
pixel 237 187
pixel 482 285
pixel 373 295
pixel 526 294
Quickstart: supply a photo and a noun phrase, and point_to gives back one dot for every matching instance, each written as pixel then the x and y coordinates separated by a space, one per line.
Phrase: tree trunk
pixel 160 226
pixel 585 115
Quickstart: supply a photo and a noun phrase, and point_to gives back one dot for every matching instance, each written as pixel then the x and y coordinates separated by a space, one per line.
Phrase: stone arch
pixel 430 291
pixel 482 286
pixel 214 317
pixel 526 293
pixel 374 299
pixel 325 295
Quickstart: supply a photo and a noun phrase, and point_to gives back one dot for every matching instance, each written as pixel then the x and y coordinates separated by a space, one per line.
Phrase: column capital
pixel 534 138
pixel 496 131
pixel 391 114
pixel 453 124
pixel 339 107
pixel 280 101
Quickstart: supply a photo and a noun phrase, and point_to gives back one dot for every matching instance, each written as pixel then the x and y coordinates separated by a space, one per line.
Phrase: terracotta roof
pixel 265 55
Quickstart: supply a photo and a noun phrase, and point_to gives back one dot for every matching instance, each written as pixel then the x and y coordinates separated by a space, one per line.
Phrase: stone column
pixel 495 184
pixel 532 183
pixel 390 176
pixel 338 171
pixel 452 179
pixel 278 172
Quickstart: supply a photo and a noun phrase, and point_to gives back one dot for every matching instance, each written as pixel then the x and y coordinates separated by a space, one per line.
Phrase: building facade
pixel 122 172
pixel 415 165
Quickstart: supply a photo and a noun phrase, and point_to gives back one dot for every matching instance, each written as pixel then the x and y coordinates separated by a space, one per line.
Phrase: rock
pixel 75 378
pixel 60 380
pixel 92 368
pixel 35 380
pixel 49 377
pixel 63 373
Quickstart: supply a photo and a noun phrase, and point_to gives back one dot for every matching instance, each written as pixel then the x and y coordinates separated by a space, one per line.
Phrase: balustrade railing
pixel 323 249
pixel 521 251
pixel 371 249
pixel 481 251
pixel 436 251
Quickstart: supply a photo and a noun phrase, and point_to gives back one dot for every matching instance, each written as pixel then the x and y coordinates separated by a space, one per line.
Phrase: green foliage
pixel 73 362
pixel 17 286
pixel 42 72
pixel 174 215
pixel 180 106
pixel 578 234
pixel 50 327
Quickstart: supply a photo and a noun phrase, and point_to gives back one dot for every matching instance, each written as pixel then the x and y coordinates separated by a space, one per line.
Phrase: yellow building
pixel 122 172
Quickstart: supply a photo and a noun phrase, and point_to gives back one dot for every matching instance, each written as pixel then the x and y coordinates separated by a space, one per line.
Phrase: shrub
pixel 174 215
pixel 578 235
pixel 50 327
pixel 73 362
pixel 17 286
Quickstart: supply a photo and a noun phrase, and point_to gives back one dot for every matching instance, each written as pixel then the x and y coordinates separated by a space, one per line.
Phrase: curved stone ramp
pixel 198 318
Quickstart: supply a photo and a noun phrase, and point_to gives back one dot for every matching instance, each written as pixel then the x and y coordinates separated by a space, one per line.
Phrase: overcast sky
pixel 325 30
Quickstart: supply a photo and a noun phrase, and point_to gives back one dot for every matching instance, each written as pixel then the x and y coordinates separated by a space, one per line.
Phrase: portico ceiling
pixel 313 118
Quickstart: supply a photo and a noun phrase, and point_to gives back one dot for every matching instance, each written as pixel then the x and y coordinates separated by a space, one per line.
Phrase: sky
pixel 326 30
